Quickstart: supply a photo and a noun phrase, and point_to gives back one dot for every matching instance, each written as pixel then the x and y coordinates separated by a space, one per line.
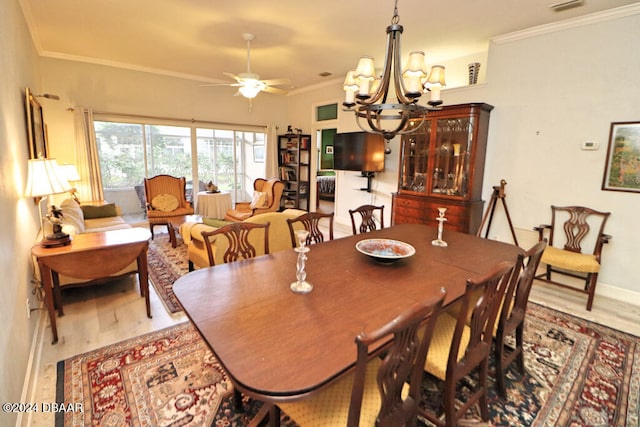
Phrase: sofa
pixel 77 219
pixel 279 237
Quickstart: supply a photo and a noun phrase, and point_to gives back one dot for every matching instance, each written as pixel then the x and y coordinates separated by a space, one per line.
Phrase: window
pixel 129 152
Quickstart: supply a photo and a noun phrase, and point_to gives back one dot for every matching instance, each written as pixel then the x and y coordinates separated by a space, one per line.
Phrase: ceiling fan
pixel 249 84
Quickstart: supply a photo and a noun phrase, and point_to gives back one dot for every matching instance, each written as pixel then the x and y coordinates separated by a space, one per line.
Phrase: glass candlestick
pixel 301 286
pixel 441 219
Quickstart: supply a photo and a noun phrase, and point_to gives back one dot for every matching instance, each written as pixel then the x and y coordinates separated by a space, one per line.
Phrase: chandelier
pixel 366 95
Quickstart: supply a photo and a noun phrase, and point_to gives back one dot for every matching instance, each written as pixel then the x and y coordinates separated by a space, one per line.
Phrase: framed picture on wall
pixel 329 149
pixel 35 127
pixel 622 169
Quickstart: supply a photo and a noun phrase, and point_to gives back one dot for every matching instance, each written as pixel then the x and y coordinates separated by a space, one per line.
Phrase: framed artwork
pixel 35 127
pixel 622 170
pixel 329 149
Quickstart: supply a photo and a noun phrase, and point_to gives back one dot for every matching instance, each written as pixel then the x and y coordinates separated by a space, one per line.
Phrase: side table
pixel 212 205
pixel 92 256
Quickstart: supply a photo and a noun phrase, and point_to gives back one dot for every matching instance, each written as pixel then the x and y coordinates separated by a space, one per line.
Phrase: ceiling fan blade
pixel 275 90
pixel 233 76
pixel 277 82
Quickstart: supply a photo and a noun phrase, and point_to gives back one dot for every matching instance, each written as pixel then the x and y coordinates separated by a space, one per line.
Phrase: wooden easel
pixel 498 193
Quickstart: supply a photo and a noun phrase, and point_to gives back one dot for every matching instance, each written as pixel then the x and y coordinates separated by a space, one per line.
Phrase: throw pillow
pixel 101 211
pixel 72 215
pixel 165 202
pixel 259 200
pixel 217 223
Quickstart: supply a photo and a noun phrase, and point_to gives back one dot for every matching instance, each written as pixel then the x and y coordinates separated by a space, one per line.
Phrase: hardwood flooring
pixel 102 315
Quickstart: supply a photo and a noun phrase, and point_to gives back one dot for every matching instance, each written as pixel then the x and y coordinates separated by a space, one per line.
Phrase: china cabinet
pixel 442 166
pixel 294 157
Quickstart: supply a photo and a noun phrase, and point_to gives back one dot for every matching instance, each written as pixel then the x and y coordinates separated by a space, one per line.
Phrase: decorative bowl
pixel 385 250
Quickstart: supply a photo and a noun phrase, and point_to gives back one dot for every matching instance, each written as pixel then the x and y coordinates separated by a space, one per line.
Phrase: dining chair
pixel 568 258
pixel 165 199
pixel 369 221
pixel 311 221
pixel 375 393
pixel 243 242
pixel 458 348
pixel 512 315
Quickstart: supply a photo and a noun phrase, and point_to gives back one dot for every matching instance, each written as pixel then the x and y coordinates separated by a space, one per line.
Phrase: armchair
pixel 266 198
pixel 571 260
pixel 166 200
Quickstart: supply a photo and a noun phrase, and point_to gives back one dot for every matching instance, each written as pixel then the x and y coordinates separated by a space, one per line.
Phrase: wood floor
pixel 102 315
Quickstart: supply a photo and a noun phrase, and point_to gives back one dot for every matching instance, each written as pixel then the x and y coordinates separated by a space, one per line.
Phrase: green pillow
pixel 213 222
pixel 102 211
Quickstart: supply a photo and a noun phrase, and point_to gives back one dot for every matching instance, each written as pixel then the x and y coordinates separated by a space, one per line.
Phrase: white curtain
pixel 271 152
pixel 90 186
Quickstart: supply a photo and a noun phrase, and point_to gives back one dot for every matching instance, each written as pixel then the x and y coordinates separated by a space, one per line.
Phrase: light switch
pixel 590 145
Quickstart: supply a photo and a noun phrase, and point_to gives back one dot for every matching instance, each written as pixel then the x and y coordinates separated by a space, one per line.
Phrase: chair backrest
pixel 482 313
pixel 242 242
pixel 273 188
pixel 368 219
pixel 311 223
pixel 576 224
pixel 403 360
pixel 517 294
pixel 166 184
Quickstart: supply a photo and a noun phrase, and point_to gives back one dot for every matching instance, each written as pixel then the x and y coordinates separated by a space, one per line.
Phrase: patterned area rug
pixel 165 378
pixel 578 374
pixel 166 265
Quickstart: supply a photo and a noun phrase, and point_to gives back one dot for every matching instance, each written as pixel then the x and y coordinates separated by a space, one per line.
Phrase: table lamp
pixel 44 180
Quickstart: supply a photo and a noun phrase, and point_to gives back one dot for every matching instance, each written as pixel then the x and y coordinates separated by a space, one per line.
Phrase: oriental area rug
pixel 166 265
pixel 578 374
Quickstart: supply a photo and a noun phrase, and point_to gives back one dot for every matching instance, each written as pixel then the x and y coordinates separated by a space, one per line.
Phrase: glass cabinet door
pixel 451 156
pixel 415 159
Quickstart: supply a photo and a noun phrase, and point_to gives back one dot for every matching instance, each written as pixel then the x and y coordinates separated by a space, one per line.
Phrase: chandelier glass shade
pixel 366 95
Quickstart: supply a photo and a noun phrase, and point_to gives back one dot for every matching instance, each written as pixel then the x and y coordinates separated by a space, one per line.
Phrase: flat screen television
pixel 358 151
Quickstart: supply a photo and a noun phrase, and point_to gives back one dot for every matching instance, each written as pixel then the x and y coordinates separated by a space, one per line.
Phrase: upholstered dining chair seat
pixel 327 408
pixel 584 263
pixel 438 355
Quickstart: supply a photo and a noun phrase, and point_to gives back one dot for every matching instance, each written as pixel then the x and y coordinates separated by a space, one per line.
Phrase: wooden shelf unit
pixel 294 169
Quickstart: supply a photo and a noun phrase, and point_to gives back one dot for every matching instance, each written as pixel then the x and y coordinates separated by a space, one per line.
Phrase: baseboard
pixel 30 384
pixel 618 294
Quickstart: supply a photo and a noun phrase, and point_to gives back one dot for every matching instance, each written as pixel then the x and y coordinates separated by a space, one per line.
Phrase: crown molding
pixel 594 18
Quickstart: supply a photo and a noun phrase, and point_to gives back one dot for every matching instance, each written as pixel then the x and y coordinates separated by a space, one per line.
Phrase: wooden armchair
pixel 375 394
pixel 266 198
pixel 368 222
pixel 574 224
pixel 165 199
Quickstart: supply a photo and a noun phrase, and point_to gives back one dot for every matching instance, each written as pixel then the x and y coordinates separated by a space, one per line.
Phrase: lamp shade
pixel 44 178
pixel 436 76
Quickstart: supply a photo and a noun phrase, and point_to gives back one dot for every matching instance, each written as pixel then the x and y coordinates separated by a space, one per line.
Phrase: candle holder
pixel 301 286
pixel 441 219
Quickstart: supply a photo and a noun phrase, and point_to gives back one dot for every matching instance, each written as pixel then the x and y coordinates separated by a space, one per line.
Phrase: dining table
pixel 277 345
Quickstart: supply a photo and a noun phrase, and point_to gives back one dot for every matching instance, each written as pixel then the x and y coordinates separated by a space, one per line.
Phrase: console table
pixel 92 256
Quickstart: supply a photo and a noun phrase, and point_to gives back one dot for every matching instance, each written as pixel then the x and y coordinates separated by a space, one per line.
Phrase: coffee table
pixel 174 224
pixel 92 256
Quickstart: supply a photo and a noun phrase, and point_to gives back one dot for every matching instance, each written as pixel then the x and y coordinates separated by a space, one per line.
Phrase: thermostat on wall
pixel 590 145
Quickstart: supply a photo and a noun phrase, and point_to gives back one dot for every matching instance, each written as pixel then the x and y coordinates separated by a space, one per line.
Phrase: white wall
pixel 18 215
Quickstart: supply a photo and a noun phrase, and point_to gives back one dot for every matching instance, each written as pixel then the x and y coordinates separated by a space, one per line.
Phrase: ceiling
pixel 294 39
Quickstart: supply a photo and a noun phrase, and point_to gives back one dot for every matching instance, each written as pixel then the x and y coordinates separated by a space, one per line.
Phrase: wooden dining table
pixel 277 345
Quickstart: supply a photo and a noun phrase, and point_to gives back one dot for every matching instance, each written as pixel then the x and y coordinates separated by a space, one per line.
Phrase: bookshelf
pixel 294 158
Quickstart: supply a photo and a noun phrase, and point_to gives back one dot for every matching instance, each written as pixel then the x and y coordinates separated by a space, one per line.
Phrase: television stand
pixel 369 176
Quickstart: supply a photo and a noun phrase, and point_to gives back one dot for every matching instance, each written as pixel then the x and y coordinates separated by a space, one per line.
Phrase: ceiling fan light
pixel 249 90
